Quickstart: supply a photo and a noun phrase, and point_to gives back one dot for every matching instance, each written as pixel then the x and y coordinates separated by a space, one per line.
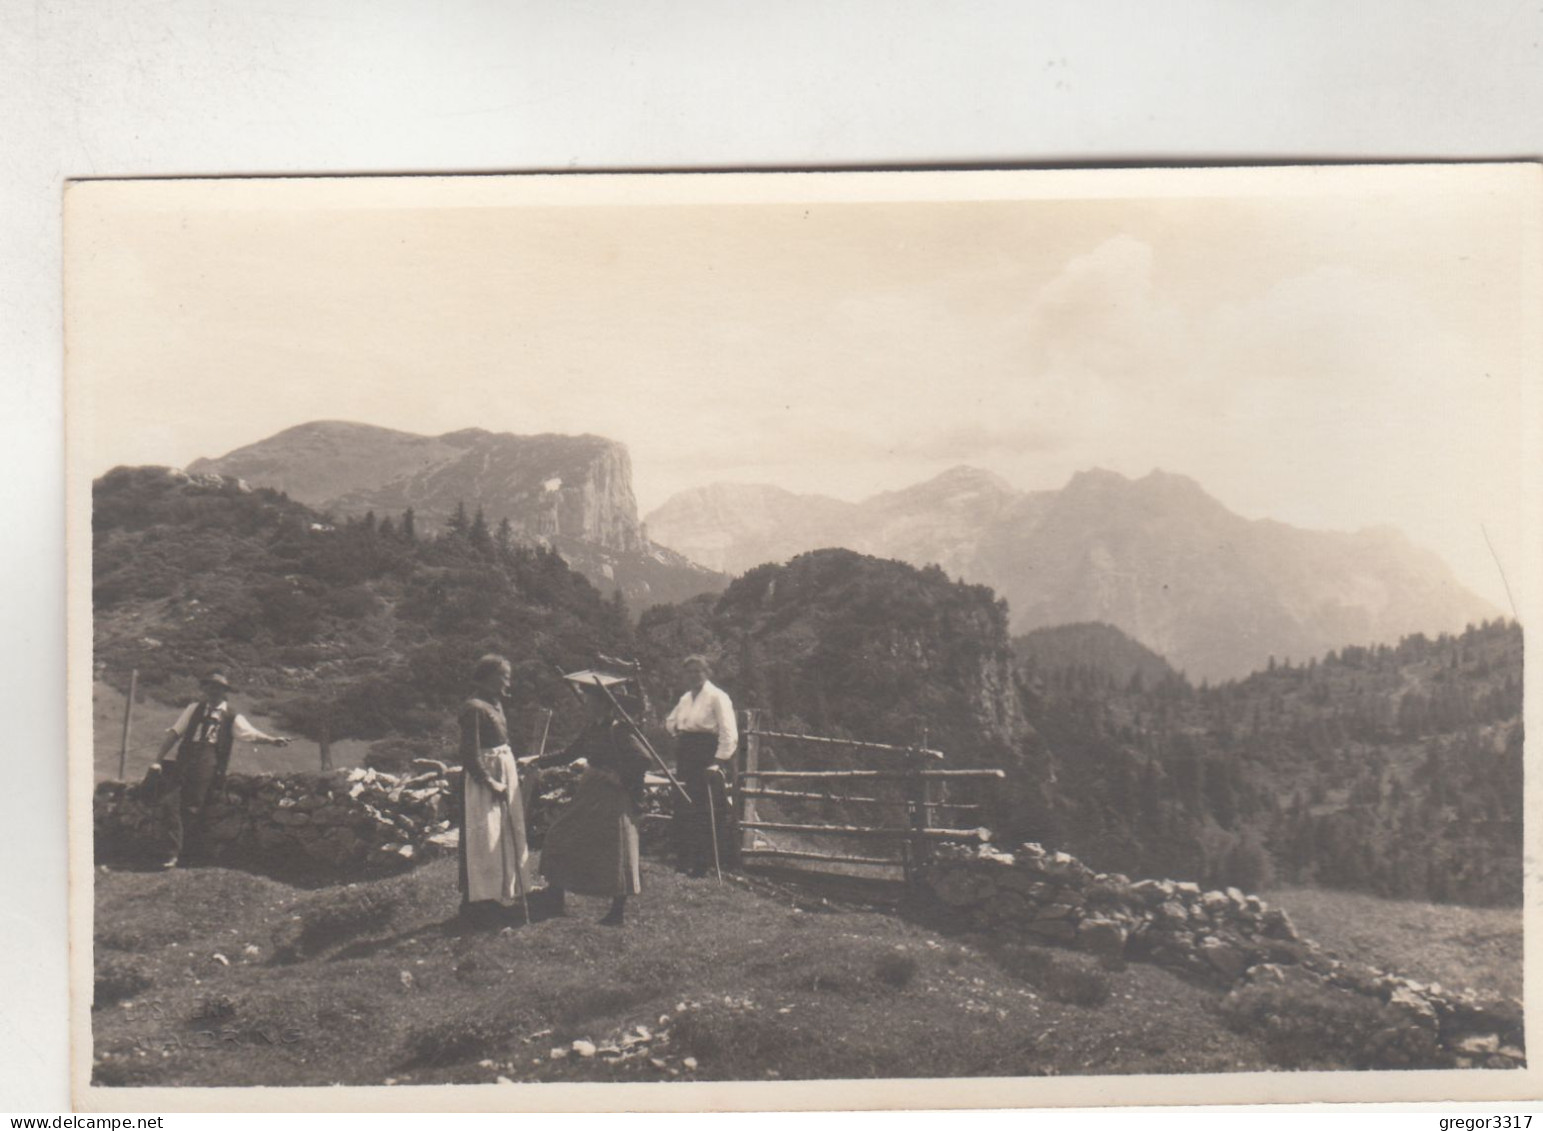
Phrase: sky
pixel 1334 349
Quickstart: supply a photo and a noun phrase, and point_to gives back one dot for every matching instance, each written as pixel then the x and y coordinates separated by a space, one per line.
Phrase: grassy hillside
pixel 377 983
pixel 1453 946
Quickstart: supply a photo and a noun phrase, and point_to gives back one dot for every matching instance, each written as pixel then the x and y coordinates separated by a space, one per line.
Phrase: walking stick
pixel 712 821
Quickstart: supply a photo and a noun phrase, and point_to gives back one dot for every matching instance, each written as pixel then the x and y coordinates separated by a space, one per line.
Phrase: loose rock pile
pixel 1228 938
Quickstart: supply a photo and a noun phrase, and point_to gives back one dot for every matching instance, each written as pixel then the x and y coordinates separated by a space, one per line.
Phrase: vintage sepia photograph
pixel 1053 636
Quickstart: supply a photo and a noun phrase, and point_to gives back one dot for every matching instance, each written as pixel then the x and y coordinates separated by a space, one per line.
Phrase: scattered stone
pixel 1101 937
pixel 1225 958
pixel 689 1063
pixel 584 1048
pixel 1477 1045
pixel 1277 925
pixel 1414 1005
pixel 1215 902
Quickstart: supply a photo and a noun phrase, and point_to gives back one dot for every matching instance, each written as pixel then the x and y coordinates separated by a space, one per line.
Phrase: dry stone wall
pixel 346 823
pixel 324 827
pixel 1231 939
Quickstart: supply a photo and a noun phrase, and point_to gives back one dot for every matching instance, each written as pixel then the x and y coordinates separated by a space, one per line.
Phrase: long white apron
pixel 496 853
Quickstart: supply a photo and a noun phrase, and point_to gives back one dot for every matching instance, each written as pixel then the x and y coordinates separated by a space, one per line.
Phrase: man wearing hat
pixel 203 735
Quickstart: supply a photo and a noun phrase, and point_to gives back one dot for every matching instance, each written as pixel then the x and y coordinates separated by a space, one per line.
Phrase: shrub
pixel 117 979
pixel 895 969
pixel 1032 964
pixel 1312 1026
pixel 1077 985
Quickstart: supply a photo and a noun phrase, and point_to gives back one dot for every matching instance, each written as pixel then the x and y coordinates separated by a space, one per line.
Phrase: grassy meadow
pixel 1454 946
pixel 379 983
pixel 216 977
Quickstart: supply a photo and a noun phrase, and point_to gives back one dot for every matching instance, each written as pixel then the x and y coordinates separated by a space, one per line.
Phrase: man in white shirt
pixel 204 734
pixel 705 734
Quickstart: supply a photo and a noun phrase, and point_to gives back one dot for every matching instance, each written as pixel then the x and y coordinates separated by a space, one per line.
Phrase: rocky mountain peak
pixel 1158 557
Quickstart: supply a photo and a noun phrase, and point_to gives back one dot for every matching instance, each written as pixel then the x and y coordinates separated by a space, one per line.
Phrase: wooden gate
pixel 793 816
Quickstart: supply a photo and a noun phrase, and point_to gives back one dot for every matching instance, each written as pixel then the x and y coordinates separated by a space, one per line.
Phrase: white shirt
pixel 242 729
pixel 708 711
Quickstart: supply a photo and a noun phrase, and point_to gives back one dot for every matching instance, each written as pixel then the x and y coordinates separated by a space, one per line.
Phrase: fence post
pixel 918 806
pixel 128 722
pixel 325 743
pixel 750 761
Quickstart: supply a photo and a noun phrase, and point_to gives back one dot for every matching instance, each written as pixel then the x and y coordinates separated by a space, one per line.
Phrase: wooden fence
pixel 785 814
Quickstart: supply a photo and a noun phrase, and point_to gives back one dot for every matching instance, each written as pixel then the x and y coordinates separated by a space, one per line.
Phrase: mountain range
pixel 571 493
pixel 1215 594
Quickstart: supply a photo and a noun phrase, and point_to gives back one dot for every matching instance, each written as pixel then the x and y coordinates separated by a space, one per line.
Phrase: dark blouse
pixel 482 728
pixel 608 746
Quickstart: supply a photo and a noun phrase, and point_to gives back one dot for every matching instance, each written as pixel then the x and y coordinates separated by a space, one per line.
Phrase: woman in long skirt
pixel 493 852
pixel 592 848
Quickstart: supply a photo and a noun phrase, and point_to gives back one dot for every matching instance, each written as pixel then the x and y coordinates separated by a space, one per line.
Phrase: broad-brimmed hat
pixel 216 679
pixel 590 676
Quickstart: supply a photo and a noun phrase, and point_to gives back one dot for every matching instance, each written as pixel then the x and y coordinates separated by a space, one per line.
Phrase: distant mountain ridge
pixel 1214 593
pixel 573 493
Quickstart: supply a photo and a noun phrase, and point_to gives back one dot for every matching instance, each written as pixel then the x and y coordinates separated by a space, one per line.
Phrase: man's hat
pixel 217 679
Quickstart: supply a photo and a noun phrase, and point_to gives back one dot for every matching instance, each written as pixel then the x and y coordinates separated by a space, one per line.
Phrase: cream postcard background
pixel 123 376
pixel 205 87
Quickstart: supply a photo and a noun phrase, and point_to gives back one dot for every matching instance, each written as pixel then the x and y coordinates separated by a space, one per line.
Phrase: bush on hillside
pixel 1315 1026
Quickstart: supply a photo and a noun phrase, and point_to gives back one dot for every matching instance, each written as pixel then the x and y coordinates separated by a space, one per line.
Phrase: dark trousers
pixel 184 803
pixel 693 822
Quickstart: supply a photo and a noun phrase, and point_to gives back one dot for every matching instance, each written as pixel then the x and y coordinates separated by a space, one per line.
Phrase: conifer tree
pixel 478 533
